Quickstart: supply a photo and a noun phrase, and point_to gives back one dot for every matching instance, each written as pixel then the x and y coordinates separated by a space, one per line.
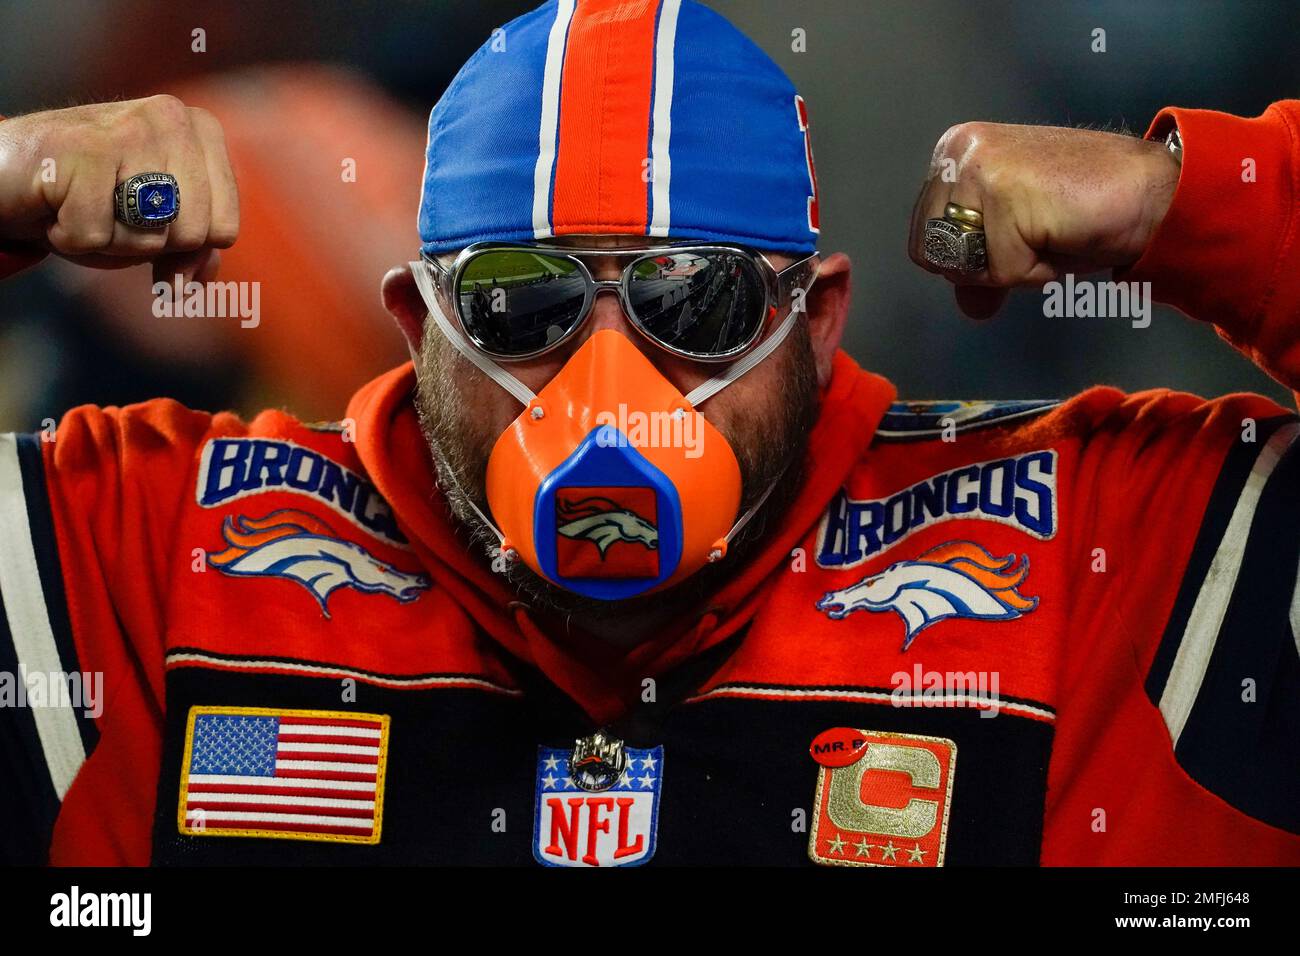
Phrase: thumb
pixel 198 266
pixel 980 301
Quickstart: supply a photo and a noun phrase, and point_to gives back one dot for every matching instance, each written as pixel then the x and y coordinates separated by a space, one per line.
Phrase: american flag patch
pixel 288 774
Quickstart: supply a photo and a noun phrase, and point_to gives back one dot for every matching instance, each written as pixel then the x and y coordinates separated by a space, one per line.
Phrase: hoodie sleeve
pixel 87 513
pixel 1228 250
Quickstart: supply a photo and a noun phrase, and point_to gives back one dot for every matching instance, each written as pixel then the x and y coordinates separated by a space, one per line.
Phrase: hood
pixel 602 678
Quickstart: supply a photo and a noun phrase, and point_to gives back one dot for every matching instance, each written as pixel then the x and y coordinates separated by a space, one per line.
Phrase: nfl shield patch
pixel 884 802
pixel 287 774
pixel 598 804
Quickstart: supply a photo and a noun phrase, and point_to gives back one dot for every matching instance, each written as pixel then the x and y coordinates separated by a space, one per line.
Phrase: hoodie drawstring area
pixel 603 699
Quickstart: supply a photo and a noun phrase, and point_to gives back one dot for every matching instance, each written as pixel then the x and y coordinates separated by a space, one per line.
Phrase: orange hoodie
pixel 984 633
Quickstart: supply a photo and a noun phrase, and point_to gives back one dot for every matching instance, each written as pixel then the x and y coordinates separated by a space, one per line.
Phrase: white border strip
pixel 190 659
pixel 972 423
pixel 550 123
pixel 29 623
pixel 661 164
pixel 1203 624
pixel 875 697
pixel 1295 613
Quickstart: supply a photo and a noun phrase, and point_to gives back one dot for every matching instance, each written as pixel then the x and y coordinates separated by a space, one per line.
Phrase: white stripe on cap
pixel 29 624
pixel 550 123
pixel 1202 631
pixel 661 166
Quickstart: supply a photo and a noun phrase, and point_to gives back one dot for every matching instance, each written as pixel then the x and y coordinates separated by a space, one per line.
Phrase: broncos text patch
pixel 1019 491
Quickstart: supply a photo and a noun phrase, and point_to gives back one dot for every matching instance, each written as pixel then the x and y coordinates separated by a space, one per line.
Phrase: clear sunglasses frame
pixel 779 288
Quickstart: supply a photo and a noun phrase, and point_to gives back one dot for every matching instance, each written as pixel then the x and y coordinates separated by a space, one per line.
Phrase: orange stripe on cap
pixel 604 131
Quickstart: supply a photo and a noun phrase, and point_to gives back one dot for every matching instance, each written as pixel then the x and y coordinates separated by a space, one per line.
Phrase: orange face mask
pixel 610 484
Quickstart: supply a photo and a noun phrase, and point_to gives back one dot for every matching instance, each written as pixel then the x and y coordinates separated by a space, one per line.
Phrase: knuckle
pixel 992 176
pixel 953 139
pixel 167 108
pixel 1000 277
pixel 186 238
pixel 223 232
pixel 971 132
pixel 146 243
pixel 962 141
pixel 131 128
pixel 204 120
pixel 77 242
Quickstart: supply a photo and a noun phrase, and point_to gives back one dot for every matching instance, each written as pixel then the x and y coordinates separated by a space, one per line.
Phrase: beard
pixel 769 443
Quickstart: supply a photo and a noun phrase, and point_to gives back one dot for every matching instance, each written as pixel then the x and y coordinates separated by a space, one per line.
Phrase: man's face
pixel 765 416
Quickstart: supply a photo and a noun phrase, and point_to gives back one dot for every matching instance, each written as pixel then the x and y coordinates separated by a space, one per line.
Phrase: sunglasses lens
pixel 515 301
pixel 702 303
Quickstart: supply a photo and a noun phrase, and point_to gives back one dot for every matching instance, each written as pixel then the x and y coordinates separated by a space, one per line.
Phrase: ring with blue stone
pixel 147 201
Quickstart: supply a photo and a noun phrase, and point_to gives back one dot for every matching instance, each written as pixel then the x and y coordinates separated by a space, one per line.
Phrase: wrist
pixel 1226 219
pixel 1162 169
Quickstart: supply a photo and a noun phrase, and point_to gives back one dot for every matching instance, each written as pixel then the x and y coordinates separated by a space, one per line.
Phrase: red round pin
pixel 838 747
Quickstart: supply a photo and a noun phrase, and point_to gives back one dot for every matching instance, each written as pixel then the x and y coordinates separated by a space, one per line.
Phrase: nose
pixel 607 312
pixel 607 306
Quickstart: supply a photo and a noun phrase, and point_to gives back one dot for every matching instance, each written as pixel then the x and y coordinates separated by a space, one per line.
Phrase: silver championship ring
pixel 147 201
pixel 956 242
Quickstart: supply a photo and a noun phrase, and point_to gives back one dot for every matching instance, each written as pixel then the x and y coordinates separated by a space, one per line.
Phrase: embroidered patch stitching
pixel 380 773
pixel 548 755
pixel 889 853
pixel 956 579
pixel 300 547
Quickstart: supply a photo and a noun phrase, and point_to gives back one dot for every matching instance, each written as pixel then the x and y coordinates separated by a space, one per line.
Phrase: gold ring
pixel 963 216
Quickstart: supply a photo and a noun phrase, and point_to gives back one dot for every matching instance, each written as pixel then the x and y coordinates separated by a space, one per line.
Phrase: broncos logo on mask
pixel 293 544
pixel 956 579
pixel 602 522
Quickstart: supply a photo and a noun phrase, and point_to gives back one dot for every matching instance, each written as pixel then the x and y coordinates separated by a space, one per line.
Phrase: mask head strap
pixel 428 291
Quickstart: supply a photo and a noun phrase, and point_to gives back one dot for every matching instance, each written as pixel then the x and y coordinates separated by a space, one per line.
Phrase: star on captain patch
pixel 882 798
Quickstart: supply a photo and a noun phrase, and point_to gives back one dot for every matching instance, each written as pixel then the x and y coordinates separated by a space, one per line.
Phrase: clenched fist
pixel 1054 200
pixel 58 170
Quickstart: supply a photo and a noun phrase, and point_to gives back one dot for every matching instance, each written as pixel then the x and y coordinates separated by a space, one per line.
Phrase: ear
pixel 402 300
pixel 828 310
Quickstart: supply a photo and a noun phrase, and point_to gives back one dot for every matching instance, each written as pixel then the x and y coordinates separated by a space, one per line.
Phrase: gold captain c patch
pixel 882 798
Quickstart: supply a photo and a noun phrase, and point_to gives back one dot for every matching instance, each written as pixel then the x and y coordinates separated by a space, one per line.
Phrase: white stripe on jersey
pixel 29 623
pixel 1202 631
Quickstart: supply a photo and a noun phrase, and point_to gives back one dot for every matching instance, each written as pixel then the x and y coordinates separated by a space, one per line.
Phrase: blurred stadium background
pixel 303 85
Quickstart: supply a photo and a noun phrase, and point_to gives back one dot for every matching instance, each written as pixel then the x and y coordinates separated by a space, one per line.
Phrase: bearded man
pixel 632 563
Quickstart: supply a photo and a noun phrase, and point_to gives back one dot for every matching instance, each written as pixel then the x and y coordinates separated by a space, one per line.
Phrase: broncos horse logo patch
pixel 606 532
pixel 956 579
pixel 301 547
